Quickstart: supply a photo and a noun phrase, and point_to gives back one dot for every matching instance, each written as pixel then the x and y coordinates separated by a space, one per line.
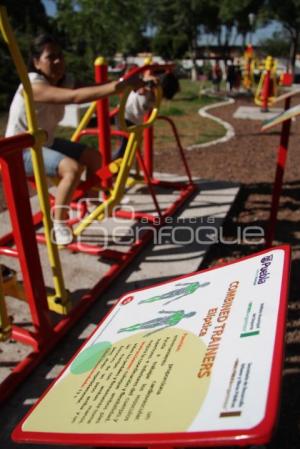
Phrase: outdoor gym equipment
pixel 116 193
pixel 9 286
pixel 59 301
pixel 247 67
pixel 47 331
pixel 104 133
pixel 266 91
pixel 105 176
pixel 284 119
pixel 286 79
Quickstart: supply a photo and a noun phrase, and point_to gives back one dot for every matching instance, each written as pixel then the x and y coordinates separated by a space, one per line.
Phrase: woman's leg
pixel 69 170
pixel 91 159
pixel 84 155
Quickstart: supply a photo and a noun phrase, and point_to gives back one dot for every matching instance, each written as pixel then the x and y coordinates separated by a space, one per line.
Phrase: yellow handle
pixel 269 63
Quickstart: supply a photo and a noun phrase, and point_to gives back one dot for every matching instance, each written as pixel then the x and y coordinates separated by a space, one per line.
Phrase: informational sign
pixel 189 359
pixel 282 117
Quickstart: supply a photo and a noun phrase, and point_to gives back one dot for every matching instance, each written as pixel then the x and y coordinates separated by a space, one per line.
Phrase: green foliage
pixel 177 25
pixel 276 46
pixel 232 17
pixel 169 110
pixel 232 11
pixel 288 13
pixel 92 29
pixel 26 21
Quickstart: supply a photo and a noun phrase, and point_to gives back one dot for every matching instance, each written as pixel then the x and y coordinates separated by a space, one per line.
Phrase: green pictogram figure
pixel 188 289
pixel 172 318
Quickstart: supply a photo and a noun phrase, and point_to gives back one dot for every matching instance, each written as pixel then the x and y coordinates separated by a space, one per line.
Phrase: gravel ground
pixel 250 158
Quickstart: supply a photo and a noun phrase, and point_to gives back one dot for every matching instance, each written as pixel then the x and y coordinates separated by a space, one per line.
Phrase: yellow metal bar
pixel 5 322
pixel 37 161
pixel 257 98
pixel 120 185
pixel 84 121
pixel 104 209
pixel 11 286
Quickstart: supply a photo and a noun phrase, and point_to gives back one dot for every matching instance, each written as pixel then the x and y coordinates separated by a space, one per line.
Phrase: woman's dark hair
pixel 37 48
pixel 170 85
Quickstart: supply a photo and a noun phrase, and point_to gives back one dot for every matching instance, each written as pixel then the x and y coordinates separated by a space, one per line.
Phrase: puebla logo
pixel 263 273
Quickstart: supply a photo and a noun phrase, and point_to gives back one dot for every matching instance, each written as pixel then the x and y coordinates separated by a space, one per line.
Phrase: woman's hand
pixel 135 82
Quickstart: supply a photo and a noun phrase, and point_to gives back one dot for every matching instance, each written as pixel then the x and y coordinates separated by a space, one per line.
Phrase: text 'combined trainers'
pixel 62 234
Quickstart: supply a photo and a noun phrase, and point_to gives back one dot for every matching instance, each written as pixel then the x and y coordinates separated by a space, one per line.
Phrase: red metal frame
pixel 280 168
pixel 148 149
pixel 102 109
pixel 16 193
pixel 261 434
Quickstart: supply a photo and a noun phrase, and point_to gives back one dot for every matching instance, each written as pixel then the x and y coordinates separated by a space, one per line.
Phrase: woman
pixel 52 90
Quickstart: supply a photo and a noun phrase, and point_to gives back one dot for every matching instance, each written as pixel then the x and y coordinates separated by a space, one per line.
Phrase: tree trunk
pixel 194 71
pixel 193 59
pixel 293 51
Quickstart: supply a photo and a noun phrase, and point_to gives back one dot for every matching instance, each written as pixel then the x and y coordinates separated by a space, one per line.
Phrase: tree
pixel 90 29
pixel 178 26
pixel 234 13
pixel 277 45
pixel 26 21
pixel 288 13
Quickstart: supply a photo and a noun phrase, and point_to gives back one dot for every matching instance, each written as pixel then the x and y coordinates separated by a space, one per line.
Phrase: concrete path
pixel 255 113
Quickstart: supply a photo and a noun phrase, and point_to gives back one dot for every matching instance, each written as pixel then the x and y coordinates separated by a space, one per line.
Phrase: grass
pixel 183 109
pixel 192 128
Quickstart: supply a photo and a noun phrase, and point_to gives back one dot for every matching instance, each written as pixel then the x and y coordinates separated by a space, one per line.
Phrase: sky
pixel 258 35
pixel 50 7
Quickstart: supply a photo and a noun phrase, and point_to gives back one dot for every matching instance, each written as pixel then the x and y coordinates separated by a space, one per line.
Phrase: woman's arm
pixel 45 93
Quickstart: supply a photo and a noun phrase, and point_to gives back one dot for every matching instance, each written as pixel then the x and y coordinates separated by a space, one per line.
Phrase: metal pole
pixel 102 109
pixel 277 186
pixel 16 192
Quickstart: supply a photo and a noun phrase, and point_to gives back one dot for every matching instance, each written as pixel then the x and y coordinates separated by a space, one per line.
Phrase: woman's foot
pixel 62 234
